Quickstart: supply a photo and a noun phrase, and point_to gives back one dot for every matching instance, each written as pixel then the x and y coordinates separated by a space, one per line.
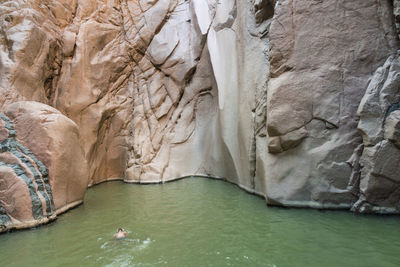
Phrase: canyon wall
pixel 263 93
pixel 313 100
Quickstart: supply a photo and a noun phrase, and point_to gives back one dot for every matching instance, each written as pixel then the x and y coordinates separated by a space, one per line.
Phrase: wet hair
pixel 120 229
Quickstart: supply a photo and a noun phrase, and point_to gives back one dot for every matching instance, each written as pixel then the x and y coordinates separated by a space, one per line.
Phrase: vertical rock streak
pixel 40 185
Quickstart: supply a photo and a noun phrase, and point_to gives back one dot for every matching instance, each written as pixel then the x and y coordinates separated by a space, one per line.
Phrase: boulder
pixel 42 165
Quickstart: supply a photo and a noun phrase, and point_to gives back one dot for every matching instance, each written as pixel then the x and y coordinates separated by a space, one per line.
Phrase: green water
pixel 201 222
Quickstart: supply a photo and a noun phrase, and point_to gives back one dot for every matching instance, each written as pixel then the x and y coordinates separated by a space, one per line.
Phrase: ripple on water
pixel 200 222
pixel 122 252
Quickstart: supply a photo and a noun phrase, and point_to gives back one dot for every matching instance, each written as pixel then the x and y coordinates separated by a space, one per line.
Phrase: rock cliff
pixel 312 100
pixel 279 97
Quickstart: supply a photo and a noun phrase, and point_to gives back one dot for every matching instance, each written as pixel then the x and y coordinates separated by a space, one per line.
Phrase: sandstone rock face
pixel 42 166
pixel 139 81
pixel 138 78
pixel 263 93
pixel 132 75
pixel 31 48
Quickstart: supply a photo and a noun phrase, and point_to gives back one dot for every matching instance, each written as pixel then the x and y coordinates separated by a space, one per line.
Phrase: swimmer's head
pixel 120 230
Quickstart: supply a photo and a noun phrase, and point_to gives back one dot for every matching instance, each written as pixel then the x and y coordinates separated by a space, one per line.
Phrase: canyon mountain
pixel 297 101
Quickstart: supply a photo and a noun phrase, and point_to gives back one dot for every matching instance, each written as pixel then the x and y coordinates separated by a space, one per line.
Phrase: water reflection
pixel 201 222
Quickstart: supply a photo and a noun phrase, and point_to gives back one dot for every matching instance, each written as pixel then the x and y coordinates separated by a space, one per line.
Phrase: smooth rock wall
pixel 263 93
pixel 238 47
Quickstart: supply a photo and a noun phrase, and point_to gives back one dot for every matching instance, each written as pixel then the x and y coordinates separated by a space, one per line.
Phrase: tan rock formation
pixel 263 93
pixel 31 48
pixel 42 165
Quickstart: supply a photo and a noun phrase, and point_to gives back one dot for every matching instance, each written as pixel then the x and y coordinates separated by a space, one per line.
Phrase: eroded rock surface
pixel 26 196
pixel 379 125
pixel 42 166
pixel 131 74
pixel 322 55
pixel 263 93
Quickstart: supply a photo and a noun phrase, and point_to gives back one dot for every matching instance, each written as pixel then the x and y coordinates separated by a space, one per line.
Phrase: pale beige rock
pixel 225 14
pixel 69 39
pixel 203 16
pixel 162 45
pixel 131 100
pixel 263 93
pixel 222 47
pixel 31 48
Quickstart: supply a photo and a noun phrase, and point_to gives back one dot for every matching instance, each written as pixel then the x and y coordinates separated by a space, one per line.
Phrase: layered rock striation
pixel 279 97
pixel 42 166
pixel 26 194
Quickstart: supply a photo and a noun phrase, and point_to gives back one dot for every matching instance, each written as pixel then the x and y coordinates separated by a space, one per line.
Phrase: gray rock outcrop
pixel 379 125
pixel 319 70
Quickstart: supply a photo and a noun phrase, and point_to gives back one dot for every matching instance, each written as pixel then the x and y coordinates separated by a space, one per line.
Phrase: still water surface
pixel 201 222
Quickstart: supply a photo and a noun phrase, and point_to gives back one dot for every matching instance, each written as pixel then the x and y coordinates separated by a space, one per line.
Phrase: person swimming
pixel 120 234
